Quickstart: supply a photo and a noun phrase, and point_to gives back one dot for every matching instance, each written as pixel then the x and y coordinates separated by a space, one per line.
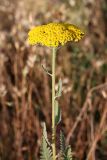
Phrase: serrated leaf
pixel 57 113
pixel 62 143
pixel 45 133
pixel 65 152
pixel 45 150
pixel 59 91
pixel 68 153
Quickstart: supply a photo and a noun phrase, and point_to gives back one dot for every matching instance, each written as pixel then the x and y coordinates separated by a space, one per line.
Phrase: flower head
pixel 54 34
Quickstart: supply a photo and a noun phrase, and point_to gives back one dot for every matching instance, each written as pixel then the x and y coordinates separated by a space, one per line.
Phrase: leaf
pixel 59 91
pixel 57 113
pixel 57 108
pixel 62 143
pixel 62 146
pixel 45 150
pixel 68 153
pixel 65 152
pixel 45 133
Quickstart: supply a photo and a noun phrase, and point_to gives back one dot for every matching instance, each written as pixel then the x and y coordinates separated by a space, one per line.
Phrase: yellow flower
pixel 54 34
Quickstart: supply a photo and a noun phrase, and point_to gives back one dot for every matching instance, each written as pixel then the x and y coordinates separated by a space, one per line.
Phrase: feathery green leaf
pixel 45 150
pixel 68 153
pixel 65 152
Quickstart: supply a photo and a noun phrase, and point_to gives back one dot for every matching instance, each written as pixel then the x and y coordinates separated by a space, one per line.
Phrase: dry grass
pixel 25 92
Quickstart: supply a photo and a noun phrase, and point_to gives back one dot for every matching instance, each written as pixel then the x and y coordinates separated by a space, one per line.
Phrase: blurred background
pixel 25 89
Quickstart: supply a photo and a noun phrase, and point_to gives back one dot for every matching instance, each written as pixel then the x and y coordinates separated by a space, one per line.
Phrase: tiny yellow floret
pixel 54 34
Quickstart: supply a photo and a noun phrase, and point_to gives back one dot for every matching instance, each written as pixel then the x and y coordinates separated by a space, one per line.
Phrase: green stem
pixel 53 105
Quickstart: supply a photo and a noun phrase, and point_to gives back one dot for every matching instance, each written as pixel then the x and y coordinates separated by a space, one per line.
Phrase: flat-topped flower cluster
pixel 54 34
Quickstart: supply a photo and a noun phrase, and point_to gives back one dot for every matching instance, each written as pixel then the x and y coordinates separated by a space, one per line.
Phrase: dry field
pixel 25 89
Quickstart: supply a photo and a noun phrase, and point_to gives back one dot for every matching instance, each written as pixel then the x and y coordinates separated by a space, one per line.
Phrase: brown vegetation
pixel 25 94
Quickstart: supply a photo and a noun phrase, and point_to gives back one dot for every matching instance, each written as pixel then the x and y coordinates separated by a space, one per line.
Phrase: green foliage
pixel 68 153
pixel 65 152
pixel 57 108
pixel 45 134
pixel 57 113
pixel 45 150
pixel 59 91
pixel 62 143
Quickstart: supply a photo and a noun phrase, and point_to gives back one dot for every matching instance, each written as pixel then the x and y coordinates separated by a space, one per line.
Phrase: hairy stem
pixel 53 105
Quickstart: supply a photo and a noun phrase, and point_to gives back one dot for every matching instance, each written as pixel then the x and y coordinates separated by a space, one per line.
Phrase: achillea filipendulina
pixel 54 34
